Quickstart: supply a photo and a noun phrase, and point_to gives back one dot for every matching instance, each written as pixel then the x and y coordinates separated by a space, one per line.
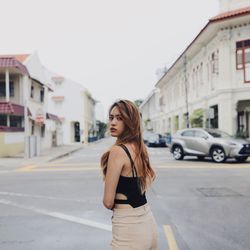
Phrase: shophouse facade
pixel 211 78
pixel 23 105
pixel 40 109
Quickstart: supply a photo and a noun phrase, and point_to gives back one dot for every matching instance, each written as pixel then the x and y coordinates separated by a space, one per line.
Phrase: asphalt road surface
pixel 198 205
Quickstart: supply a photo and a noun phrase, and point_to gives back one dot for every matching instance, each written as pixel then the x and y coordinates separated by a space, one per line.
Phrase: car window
pixel 219 134
pixel 189 133
pixel 200 134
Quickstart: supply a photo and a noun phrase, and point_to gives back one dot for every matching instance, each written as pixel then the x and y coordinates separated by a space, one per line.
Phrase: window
pixel 189 133
pixel 41 95
pixel 42 130
pixel 200 134
pixel 32 91
pixel 3 89
pixel 215 62
pixel 243 58
pixel 3 120
pixel 32 127
pixel 16 121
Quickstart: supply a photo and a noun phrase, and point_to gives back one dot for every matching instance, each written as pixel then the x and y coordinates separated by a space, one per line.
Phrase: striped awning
pixel 11 62
pixel 9 108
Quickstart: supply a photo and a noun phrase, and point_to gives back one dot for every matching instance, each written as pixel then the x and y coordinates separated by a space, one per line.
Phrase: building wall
pixel 11 144
pixel 70 109
pixel 212 79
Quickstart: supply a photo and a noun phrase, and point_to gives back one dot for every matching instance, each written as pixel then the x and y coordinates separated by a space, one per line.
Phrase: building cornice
pixel 220 22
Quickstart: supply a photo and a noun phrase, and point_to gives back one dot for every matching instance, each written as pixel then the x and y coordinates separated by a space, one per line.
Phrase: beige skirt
pixel 134 228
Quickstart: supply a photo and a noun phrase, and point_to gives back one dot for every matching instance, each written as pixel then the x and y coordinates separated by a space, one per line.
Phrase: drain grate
pixel 218 192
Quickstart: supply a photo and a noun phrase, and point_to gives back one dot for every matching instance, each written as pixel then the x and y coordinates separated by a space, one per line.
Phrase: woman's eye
pixel 119 118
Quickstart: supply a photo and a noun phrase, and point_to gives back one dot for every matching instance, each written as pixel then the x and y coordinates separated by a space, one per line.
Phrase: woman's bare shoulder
pixel 116 150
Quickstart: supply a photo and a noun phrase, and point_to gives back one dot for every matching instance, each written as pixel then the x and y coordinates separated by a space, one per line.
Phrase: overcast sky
pixel 112 47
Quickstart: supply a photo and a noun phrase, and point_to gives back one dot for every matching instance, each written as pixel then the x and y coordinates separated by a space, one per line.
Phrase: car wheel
pixel 200 158
pixel 241 158
pixel 178 153
pixel 218 154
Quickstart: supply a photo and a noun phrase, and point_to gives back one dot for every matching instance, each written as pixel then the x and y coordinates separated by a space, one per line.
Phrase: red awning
pixel 53 117
pixel 12 109
pixel 11 62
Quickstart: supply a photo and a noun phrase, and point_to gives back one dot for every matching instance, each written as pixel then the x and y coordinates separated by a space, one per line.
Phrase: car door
pixel 187 137
pixel 200 143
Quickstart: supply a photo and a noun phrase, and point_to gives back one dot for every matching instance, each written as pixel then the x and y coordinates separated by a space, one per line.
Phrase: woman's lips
pixel 113 130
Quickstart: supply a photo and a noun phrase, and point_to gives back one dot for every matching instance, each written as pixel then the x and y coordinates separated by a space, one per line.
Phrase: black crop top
pixel 129 186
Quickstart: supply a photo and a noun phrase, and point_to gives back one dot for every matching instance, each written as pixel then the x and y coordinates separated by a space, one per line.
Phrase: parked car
pixel 152 139
pixel 209 142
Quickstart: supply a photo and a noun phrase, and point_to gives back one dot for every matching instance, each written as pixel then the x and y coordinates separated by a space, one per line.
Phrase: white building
pixel 150 111
pixel 211 76
pixel 22 84
pixel 59 111
pixel 74 106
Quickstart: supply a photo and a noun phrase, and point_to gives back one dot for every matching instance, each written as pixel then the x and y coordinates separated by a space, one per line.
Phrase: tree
pixel 138 102
pixel 196 118
pixel 102 127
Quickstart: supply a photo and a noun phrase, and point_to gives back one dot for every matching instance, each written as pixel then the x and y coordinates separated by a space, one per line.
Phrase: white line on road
pixel 60 216
pixel 40 197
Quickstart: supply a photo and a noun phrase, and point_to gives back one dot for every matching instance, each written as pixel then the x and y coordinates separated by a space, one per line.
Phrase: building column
pixel 227 115
pixel 226 66
pixel 8 121
pixel 26 118
pixel 7 85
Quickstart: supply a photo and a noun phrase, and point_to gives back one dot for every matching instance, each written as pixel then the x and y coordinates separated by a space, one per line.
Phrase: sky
pixel 111 47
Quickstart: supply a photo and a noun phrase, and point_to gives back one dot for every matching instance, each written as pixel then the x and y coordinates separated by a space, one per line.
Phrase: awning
pixel 11 62
pixel 53 117
pixel 9 108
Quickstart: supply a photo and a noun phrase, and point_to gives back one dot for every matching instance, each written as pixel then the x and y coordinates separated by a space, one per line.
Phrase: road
pixel 58 206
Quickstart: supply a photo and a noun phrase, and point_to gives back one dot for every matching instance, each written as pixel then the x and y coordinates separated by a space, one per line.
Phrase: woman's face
pixel 116 124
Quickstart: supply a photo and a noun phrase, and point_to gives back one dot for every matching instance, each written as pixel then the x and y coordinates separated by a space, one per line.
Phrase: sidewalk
pixel 47 155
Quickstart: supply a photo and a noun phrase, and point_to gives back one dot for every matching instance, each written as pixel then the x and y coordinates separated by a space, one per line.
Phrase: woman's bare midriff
pixel 122 206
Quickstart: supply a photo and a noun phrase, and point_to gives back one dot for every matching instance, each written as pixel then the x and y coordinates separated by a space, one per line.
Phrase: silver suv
pixel 209 142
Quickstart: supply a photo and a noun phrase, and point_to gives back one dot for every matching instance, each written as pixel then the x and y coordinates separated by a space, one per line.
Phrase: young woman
pixel 127 174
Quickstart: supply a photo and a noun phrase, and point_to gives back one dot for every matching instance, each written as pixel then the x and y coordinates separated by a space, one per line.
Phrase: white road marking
pixel 39 196
pixel 60 216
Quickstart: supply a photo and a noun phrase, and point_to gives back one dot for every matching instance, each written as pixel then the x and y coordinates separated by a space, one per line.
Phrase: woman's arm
pixel 115 165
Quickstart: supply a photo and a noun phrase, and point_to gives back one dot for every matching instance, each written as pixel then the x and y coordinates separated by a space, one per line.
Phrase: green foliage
pixel 138 102
pixel 102 127
pixel 242 134
pixel 196 118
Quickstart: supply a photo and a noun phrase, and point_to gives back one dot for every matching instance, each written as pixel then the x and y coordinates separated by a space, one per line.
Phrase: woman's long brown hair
pixel 132 134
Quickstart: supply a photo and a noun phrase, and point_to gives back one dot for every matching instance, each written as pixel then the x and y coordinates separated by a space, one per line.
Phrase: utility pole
pixel 186 89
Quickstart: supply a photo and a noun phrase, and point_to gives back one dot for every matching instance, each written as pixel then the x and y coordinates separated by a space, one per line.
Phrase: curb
pixel 64 154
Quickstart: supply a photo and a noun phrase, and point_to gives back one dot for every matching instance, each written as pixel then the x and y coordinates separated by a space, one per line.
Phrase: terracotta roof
pixel 231 14
pixel 11 62
pixel 12 109
pixel 20 57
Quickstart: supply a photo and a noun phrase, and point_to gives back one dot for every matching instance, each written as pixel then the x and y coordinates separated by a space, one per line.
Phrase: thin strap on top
pixel 134 172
